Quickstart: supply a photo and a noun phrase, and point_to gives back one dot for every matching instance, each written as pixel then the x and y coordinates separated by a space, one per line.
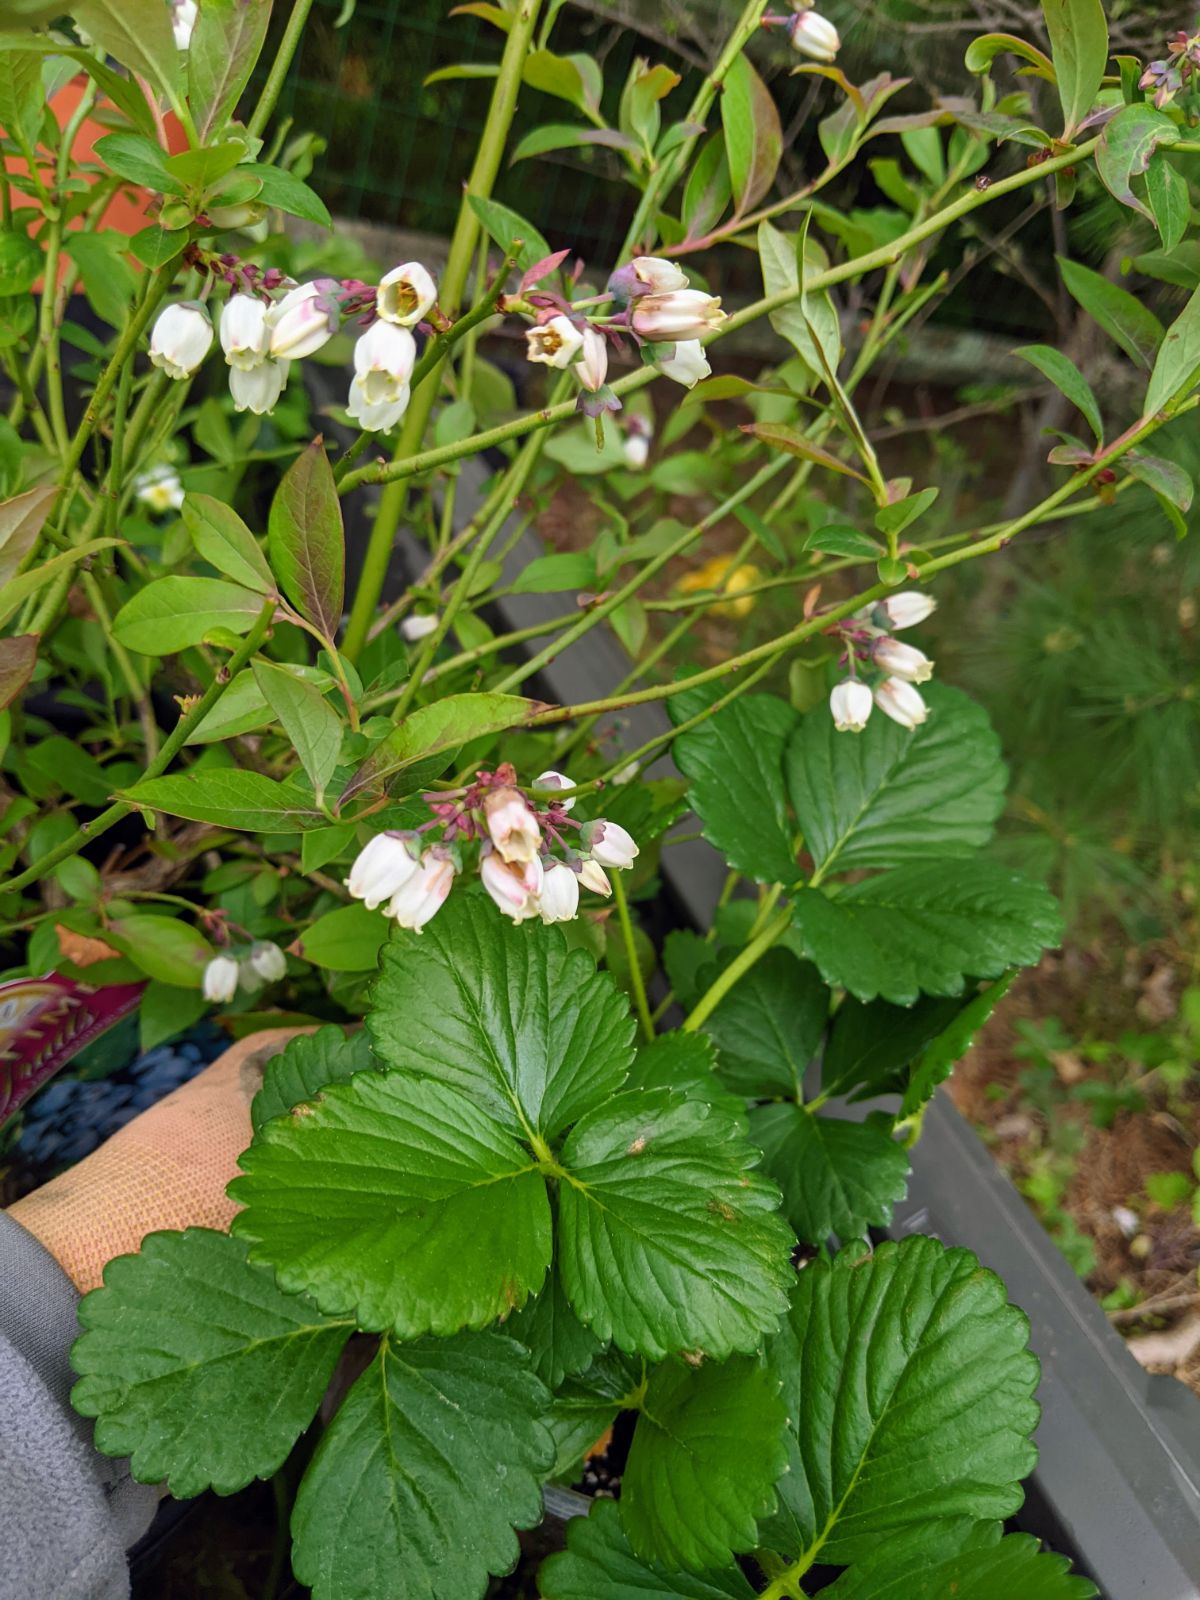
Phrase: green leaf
pixel 195 1365
pixel 364 1200
pixel 1177 365
pixel 797 444
pixel 568 136
pixel 983 51
pixel 346 940
pixel 837 1177
pixel 156 247
pixel 1127 322
pixel 308 719
pixel 1079 49
pixel 231 799
pixel 305 1065
pixel 223 539
pixel 910 1387
pixel 599 1565
pixel 894 518
pixel 139 160
pixel 123 93
pixel 843 541
pixel 735 763
pixel 557 75
pixel 1066 377
pixel 869 1046
pixel 162 947
pixel 889 795
pixel 241 709
pixel 509 1015
pixel 224 47
pixel 938 1059
pixel 668 1240
pixel 553 574
pixel 165 1012
pixel 108 280
pixel 1170 200
pixel 768 1027
pixel 809 322
pixel 558 1343
pixel 21 520
pixel 924 927
pixel 284 191
pixel 15 591
pixel 687 1063
pixel 438 730
pixel 436 1454
pixel 708 189
pixel 22 102
pixel 505 227
pixel 708 1447
pixel 753 135
pixel 173 613
pixel 1125 148
pixel 1013 1567
pixel 138 33
pixel 20 264
pixel 1167 478
pixel 305 540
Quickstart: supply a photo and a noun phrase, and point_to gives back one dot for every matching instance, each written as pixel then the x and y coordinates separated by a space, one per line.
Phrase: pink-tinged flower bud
pixel 258 388
pixel 686 365
pixel 267 960
pixel 424 894
pixel 656 275
pixel 220 980
pixel 555 343
pixel 180 339
pixel 592 367
pixel 608 843
pixel 559 899
pixel 244 331
pixel 556 780
pixel 902 660
pixel 593 876
pixel 405 295
pixel 159 489
pixel 814 35
pixel 304 320
pixel 682 314
pixel 512 826
pixel 383 363
pixel 906 609
pixel 901 702
pixel 183 20
pixel 381 868
pixel 413 629
pixel 514 886
pixel 850 704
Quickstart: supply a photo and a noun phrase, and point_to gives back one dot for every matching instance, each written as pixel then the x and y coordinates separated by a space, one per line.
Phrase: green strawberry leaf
pixel 886 795
pixel 668 1241
pixel 769 1025
pixel 196 1366
pixel 1013 1568
pixel 558 1343
pixel 435 1456
pixel 735 763
pixel 708 1447
pixel 837 1177
pixel 510 1015
pixel 399 1200
pixel 305 1065
pixel 926 927
pixel 911 1388
pixel 598 1564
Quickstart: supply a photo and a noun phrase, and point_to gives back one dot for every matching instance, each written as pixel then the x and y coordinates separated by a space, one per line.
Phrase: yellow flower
pixel 716 574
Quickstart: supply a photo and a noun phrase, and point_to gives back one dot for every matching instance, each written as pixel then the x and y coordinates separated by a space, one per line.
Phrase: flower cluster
pixel 666 316
pixel 411 878
pixel 1168 77
pixel 225 974
pixel 262 333
pixel 894 666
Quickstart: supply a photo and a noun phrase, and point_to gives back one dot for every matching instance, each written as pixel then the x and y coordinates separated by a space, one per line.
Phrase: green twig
pixel 636 983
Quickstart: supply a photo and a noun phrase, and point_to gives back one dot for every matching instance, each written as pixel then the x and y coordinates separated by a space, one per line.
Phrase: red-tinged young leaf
pixel 21 520
pixel 18 656
pixel 305 539
pixel 543 268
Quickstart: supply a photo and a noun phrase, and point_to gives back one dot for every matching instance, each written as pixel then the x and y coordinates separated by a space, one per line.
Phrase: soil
pixel 1143 1252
